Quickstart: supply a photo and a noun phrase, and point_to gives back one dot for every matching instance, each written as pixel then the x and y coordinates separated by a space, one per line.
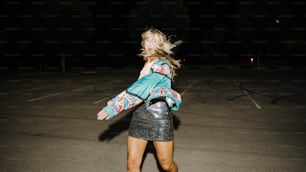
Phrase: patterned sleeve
pixel 138 91
pixel 122 101
pixel 172 97
pixel 134 95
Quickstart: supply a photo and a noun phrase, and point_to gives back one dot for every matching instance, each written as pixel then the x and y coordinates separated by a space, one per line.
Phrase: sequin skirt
pixel 153 123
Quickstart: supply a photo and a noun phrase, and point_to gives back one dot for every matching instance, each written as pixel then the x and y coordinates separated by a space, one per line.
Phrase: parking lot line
pixel 188 87
pixel 43 97
pixel 56 94
pixel 78 89
pixel 101 100
pixel 249 96
pixel 28 89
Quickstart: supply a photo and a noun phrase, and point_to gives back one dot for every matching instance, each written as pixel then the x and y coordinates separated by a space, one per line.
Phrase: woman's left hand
pixel 103 115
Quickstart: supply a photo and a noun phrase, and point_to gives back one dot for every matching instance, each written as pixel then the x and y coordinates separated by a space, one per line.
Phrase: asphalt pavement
pixel 230 120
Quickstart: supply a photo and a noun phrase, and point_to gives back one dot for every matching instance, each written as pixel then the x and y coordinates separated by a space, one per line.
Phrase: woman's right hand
pixel 103 115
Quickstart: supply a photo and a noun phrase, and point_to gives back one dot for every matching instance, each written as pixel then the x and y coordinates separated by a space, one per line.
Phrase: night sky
pixel 93 33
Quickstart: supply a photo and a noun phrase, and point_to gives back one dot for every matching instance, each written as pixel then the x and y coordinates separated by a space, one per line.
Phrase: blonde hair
pixel 162 48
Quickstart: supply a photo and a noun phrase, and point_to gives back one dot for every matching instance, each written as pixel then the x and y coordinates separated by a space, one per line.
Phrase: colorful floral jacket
pixel 154 82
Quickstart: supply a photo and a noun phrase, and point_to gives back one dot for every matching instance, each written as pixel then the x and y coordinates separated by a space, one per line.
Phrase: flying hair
pixel 161 47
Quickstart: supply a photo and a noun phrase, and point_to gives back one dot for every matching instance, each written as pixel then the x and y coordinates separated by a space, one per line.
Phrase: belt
pixel 157 107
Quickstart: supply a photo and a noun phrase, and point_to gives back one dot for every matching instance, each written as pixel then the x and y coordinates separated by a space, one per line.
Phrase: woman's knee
pixel 133 163
pixel 135 152
pixel 168 165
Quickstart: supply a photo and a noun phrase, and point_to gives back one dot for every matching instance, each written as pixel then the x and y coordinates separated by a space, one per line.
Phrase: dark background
pixel 42 34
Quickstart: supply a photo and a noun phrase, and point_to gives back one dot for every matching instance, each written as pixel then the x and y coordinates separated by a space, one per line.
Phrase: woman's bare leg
pixel 164 152
pixel 136 148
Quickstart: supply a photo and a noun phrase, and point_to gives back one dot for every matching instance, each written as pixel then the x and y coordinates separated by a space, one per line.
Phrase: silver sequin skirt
pixel 153 123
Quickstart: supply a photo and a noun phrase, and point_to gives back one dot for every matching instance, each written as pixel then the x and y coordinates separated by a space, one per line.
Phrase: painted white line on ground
pixel 286 120
pixel 99 101
pixel 56 94
pixel 31 89
pixel 78 89
pixel 220 80
pixel 298 81
pixel 250 97
pixel 272 81
pixel 13 107
pixel 108 97
pixel 188 87
pixel 43 97
pixel 260 120
pixel 284 146
pixel 298 159
pixel 299 133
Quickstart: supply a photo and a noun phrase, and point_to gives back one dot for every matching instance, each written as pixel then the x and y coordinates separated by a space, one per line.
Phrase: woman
pixel 152 93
